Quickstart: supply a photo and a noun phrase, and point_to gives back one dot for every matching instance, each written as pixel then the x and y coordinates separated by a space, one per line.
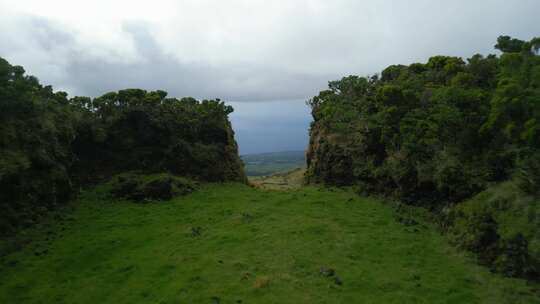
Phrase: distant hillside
pixel 274 162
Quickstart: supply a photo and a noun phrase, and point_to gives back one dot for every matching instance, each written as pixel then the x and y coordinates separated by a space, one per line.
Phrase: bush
pixel 528 174
pixel 500 226
pixel 51 145
pixel 141 188
pixel 429 134
pixel 36 130
pixel 514 259
pixel 477 232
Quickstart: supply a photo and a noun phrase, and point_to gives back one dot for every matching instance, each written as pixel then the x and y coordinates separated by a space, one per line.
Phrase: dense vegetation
pixel 150 187
pixel 460 138
pixel 50 144
pixel 436 134
pixel 230 243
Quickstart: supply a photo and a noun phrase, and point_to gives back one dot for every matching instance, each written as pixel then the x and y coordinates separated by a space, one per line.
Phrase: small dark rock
pixel 246 275
pixel 145 294
pixel 12 263
pixel 196 231
pixel 247 218
pixel 327 272
pixel 338 281
pixel 407 221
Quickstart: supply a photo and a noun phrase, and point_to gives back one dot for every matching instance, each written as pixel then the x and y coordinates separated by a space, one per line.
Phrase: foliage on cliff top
pixel 436 134
pixel 50 144
pixel 431 133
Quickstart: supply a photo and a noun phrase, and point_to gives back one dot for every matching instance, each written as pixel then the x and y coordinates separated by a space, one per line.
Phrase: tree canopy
pixel 51 144
pixel 436 134
pixel 430 133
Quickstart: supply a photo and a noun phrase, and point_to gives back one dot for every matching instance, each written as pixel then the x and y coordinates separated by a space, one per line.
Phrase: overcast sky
pixel 250 50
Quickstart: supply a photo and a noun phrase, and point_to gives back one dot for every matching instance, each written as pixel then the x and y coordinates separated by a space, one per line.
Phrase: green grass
pixel 280 181
pixel 234 244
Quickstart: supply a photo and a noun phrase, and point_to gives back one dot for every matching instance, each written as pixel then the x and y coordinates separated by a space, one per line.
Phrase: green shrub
pixel 514 259
pixel 437 134
pixel 50 145
pixel 528 174
pixel 139 187
pixel 500 225
pixel 430 134
pixel 477 231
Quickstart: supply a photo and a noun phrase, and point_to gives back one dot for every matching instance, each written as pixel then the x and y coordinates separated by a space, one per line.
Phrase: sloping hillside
pixel 231 243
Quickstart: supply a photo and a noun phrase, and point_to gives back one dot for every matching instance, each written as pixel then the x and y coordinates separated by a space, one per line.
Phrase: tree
pixel 507 44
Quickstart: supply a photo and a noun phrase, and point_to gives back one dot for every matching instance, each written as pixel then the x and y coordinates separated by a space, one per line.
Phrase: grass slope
pixel 280 181
pixel 235 244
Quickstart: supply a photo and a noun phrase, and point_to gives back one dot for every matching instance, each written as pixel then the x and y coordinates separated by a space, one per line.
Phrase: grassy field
pixel 265 164
pixel 280 181
pixel 232 243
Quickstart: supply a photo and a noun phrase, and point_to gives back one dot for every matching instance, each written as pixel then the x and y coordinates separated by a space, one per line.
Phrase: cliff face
pixel 229 165
pixel 328 158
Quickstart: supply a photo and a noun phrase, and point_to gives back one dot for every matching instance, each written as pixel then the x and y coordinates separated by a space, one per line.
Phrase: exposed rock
pixel 196 231
pixel 327 272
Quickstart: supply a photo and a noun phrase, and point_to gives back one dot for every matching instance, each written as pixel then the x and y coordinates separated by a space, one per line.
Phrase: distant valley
pixel 262 164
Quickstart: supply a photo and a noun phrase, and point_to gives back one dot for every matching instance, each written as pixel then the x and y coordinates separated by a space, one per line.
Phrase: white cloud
pixel 243 49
